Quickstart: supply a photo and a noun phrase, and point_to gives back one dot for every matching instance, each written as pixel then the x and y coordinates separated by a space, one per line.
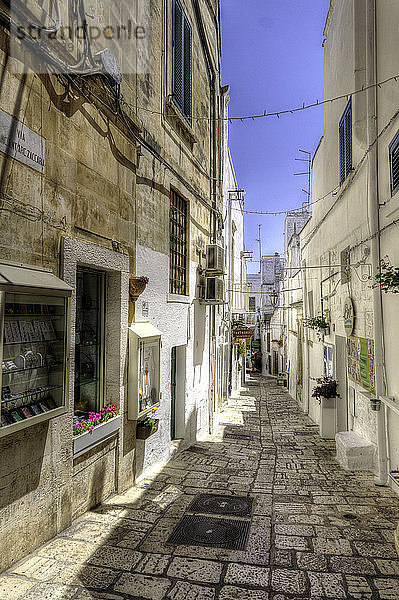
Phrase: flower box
pixel 102 432
pixel 143 432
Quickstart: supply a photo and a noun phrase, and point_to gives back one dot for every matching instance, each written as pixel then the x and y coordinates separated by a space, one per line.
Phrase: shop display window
pixel 89 342
pixel 144 369
pixel 33 356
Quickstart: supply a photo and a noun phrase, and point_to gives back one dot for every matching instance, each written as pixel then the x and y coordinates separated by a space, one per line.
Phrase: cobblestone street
pixel 316 531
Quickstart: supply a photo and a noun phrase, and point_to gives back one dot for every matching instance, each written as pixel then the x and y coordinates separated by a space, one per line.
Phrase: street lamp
pixel 273 298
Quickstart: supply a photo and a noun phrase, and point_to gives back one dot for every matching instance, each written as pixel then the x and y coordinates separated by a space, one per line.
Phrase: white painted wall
pixel 183 322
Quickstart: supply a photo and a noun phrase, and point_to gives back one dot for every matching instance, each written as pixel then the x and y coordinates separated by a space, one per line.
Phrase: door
pixel 173 394
pixel 341 376
pixel 178 392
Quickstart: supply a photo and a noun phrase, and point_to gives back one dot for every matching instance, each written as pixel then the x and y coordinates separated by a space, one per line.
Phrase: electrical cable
pixel 284 111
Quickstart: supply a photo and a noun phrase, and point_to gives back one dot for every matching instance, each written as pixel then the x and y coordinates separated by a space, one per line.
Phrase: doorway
pixel 178 392
pixel 341 376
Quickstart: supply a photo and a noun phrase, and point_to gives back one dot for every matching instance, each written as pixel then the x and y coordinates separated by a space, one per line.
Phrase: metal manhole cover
pixel 238 436
pixel 206 531
pixel 215 504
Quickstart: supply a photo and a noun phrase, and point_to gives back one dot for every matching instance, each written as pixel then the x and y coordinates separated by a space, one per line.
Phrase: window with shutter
pixel 182 61
pixel 345 143
pixel 394 163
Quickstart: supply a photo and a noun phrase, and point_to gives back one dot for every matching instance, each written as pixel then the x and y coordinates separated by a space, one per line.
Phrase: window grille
pixel 182 61
pixel 394 163
pixel 178 245
pixel 345 142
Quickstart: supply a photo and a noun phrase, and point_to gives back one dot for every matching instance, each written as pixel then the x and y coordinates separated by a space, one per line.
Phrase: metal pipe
pixel 372 183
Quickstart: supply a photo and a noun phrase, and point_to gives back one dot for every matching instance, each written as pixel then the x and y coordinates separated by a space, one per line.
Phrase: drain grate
pixel 207 531
pixel 350 516
pixel 215 504
pixel 197 450
pixel 238 436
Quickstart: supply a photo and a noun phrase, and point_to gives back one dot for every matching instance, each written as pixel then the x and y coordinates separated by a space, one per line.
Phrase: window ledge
pixel 90 439
pixel 176 298
pixel 179 122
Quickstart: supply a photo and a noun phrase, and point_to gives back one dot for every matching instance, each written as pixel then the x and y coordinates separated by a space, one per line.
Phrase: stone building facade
pixel 355 207
pixel 92 203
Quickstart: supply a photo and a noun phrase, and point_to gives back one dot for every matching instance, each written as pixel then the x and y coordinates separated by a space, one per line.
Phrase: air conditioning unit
pixel 215 259
pixel 201 287
pixel 214 290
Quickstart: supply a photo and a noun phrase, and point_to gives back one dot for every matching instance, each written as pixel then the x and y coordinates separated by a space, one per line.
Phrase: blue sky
pixel 272 59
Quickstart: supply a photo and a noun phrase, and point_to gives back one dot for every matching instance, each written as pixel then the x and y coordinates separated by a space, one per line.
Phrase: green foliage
pixel 241 348
pixel 326 388
pixel 319 322
pixel 387 277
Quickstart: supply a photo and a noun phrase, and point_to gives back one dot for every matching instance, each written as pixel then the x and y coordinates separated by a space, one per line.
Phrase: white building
pixel 355 209
pixel 230 363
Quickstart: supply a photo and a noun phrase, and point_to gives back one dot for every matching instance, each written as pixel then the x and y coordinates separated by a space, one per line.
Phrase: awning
pixel 145 330
pixel 20 276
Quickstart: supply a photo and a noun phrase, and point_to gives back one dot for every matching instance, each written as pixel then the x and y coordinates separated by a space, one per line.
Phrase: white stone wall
pixel 183 322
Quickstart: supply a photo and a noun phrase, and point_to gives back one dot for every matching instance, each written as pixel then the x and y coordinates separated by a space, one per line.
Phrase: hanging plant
pixel 319 322
pixel 387 277
pixel 326 388
pixel 241 348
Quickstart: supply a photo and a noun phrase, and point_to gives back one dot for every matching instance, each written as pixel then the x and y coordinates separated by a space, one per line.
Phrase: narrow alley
pixel 312 531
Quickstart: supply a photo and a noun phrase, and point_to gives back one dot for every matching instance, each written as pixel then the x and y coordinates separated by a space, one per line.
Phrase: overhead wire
pixel 278 113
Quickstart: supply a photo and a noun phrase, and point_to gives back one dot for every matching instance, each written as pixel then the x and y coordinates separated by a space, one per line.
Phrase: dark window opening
pixel 89 341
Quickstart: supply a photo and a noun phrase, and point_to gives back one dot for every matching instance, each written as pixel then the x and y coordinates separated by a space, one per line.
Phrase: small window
pixel 178 245
pixel 182 61
pixel 252 303
pixel 394 163
pixel 345 142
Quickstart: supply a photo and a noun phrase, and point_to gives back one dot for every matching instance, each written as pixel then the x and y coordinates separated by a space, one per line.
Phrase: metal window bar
pixel 178 245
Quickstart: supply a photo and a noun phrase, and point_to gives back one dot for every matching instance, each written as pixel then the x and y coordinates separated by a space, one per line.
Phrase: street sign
pixel 243 333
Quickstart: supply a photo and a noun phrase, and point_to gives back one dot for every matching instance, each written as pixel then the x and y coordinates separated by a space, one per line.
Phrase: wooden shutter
pixel 178 90
pixel 394 164
pixel 187 69
pixel 345 142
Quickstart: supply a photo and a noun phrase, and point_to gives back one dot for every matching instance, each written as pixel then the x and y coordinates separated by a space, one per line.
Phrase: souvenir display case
pixel 144 369
pixel 34 308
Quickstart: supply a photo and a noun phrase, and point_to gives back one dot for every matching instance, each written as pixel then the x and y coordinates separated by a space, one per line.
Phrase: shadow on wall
pixel 190 434
pixel 199 332
pixel 21 465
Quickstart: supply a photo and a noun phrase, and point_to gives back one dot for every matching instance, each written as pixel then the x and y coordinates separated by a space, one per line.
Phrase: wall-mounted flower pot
pixel 143 432
pixel 137 286
pixel 86 441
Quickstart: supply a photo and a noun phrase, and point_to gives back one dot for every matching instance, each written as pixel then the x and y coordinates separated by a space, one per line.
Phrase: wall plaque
pixel 349 317
pixel 21 143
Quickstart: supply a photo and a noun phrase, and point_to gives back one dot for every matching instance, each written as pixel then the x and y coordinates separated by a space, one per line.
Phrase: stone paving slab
pixel 317 531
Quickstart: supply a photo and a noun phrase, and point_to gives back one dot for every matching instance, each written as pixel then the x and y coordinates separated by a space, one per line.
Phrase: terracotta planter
pixel 137 286
pixel 143 432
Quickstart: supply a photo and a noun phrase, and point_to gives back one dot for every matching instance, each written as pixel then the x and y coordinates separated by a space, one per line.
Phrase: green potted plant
pixel 319 323
pixel 387 277
pixel 326 388
pixel 147 426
